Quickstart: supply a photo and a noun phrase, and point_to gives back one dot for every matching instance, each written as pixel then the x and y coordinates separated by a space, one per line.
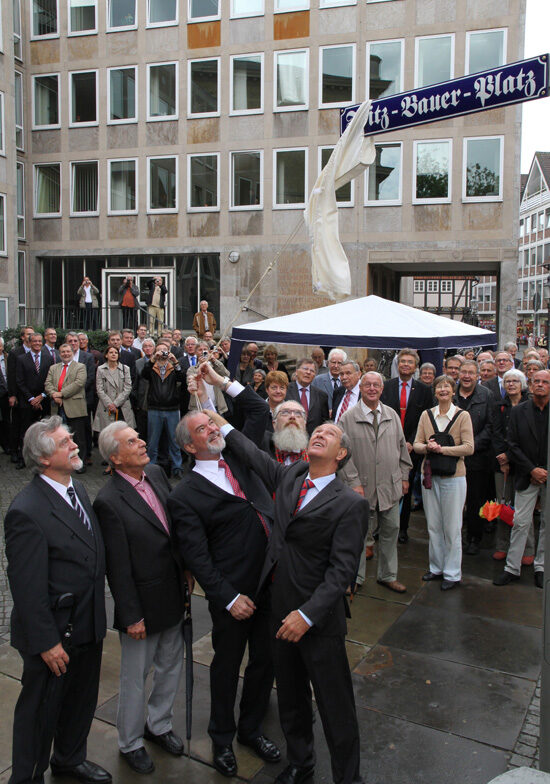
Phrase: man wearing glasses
pixel 288 442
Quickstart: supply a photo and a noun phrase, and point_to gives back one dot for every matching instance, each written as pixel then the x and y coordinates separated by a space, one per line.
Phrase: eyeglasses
pixel 291 412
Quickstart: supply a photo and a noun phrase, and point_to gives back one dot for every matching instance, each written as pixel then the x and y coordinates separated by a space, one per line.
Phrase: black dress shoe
pixel 539 579
pixel 168 741
pixel 431 576
pixel 448 585
pixel 505 578
pixel 87 771
pixel 292 774
pixel 139 760
pixel 403 537
pixel 224 760
pixel 264 748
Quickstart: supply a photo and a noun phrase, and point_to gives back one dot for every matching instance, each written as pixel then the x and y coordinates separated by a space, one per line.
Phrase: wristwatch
pixel 225 383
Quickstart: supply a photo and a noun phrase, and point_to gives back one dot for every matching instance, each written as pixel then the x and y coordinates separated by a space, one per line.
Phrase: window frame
pixel 2 124
pixel 17 36
pixel 335 3
pixel 416 52
pixel 72 213
pixel 299 5
pixel 436 200
pixel 200 115
pixel 19 75
pixel 46 36
pixel 367 64
pixel 129 120
pixel 34 125
pixel 163 117
pixel 243 112
pixel 4 201
pixel 296 107
pixel 432 286
pixel 246 207
pixel 162 210
pixel 110 210
pixel 483 199
pixel 20 165
pixel 233 15
pixel 300 205
pixel 77 33
pixel 419 286
pixel 470 33
pixel 385 202
pixel 87 124
pixel 320 149
pixel 446 286
pixel 216 208
pixel 332 104
pixel 22 306
pixel 195 20
pixel 120 28
pixel 152 25
pixel 35 214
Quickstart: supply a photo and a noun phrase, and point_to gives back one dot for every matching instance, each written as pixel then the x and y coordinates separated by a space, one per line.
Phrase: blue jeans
pixel 156 420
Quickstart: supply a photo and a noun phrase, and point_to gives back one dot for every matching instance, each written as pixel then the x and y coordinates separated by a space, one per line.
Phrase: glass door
pixel 112 280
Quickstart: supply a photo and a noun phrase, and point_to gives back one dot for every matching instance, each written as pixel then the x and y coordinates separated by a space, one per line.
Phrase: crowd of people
pixel 293 479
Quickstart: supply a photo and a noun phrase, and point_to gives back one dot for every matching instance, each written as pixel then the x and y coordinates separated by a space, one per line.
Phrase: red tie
pixel 62 378
pixel 235 486
pixel 403 403
pixel 303 400
pixel 344 406
pixel 307 485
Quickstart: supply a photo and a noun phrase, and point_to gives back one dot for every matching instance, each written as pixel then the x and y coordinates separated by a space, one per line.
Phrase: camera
pixel 204 353
pixel 164 354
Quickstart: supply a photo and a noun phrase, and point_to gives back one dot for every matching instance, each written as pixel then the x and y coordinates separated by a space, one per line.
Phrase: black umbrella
pixel 187 629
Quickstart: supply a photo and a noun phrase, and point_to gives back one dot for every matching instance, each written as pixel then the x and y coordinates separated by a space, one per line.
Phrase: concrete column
pixel 406 291
pixel 507 302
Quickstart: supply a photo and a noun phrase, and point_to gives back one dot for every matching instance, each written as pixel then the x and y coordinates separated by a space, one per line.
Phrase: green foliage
pixel 97 338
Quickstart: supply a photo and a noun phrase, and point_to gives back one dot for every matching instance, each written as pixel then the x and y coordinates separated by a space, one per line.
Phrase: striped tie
pixel 307 485
pixel 78 509
pixel 344 406
pixel 37 362
pixel 235 486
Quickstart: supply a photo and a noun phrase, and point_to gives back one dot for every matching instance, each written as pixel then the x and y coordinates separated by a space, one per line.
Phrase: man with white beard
pixel 288 443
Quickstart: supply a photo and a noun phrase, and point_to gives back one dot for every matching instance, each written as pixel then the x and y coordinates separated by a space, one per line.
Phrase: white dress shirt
pixel 62 491
pixel 442 420
pixel 353 400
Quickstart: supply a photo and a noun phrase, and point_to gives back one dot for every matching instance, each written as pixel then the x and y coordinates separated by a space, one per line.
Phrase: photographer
pixel 88 301
pixel 204 354
pixel 163 373
pixel 128 295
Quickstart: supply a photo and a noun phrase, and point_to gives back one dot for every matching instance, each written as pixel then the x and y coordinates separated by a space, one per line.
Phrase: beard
pixel 216 446
pixel 76 462
pixel 290 439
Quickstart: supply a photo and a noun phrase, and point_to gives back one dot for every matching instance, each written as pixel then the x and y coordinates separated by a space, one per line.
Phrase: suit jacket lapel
pixel 85 501
pixel 327 494
pixel 66 514
pixel 531 420
pixel 129 495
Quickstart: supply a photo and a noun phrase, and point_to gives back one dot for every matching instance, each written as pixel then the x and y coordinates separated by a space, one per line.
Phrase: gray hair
pixel 428 366
pixel 275 412
pixel 458 357
pixel 539 365
pixel 107 443
pixel 259 370
pixel 183 434
pixel 304 361
pixel 409 352
pixel 191 337
pixel 518 375
pixel 354 365
pixel 334 351
pixel 510 345
pixel 38 442
pixel 489 362
pixel 510 357
pixel 71 332
pixel 345 443
pixel 83 335
pixel 374 373
pixel 147 340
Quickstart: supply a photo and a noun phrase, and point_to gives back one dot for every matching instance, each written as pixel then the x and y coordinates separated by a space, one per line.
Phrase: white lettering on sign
pixel 494 85
pixel 411 106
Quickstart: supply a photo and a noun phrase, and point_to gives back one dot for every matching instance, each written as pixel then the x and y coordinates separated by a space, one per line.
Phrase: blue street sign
pixel 525 80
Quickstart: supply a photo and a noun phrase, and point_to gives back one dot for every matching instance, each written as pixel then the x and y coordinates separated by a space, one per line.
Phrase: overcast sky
pixel 535 134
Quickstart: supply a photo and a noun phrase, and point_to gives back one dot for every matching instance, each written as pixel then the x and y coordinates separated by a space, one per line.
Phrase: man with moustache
pixel 288 442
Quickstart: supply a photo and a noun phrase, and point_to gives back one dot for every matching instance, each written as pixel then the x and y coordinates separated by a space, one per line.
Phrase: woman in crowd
pixel 258 382
pixel 515 385
pixel 444 496
pixel 244 372
pixel 113 385
pixel 271 361
pixel 276 385
pixel 531 367
pixel 427 373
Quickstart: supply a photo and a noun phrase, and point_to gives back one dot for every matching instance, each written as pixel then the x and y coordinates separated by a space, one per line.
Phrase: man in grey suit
pixel 330 381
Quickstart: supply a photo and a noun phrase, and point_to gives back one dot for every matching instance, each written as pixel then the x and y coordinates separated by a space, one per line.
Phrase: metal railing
pixel 104 318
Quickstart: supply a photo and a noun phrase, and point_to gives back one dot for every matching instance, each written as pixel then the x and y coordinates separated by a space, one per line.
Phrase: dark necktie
pixel 37 362
pixel 78 509
pixel 335 383
pixel 307 485
pixel 235 486
pixel 303 400
pixel 52 352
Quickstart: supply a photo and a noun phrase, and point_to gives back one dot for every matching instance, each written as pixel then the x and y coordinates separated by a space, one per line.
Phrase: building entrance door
pixel 112 280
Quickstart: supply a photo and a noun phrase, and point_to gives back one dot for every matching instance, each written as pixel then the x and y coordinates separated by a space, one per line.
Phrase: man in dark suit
pixel 86 359
pixel 125 357
pixel 528 445
pixel 503 362
pixel 15 441
pixel 56 571
pixel 189 359
pixel 50 339
pixel 222 514
pixel 311 559
pixel 348 394
pixel 314 400
pixel 330 382
pixel 127 338
pixel 31 372
pixel 408 398
pixel 146 581
pixel 4 401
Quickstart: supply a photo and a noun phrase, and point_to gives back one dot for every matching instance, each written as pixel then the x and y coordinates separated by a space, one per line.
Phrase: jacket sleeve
pixel 421 438
pixel 500 443
pixel 21 380
pixel 68 390
pixel 100 387
pixel 49 386
pixel 123 396
pixel 405 462
pixel 269 470
pixel 483 440
pixel 519 458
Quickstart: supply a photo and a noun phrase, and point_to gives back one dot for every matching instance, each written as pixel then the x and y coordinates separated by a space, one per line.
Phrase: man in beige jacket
pixel 380 465
pixel 65 384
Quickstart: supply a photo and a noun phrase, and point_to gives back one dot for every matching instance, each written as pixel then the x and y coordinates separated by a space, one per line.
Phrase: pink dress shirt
pixel 145 489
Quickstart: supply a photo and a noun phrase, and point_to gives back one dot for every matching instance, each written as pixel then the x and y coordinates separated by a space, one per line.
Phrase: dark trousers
pixel 48 706
pixel 78 427
pixel 5 423
pixel 90 316
pixel 88 430
pixel 15 429
pixel 128 318
pixel 229 640
pixel 29 415
pixel 405 513
pixel 480 484
pixel 323 662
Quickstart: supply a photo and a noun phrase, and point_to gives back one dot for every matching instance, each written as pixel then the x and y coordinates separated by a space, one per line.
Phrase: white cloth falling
pixel 351 156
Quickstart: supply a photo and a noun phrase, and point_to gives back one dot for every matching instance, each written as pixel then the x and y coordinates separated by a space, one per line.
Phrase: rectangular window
pixel 162 175
pixel 344 195
pixel 240 8
pixel 291 80
pixel 21 286
pixel 162 88
pixel 337 75
pixel 84 188
pixel 434 60
pixel 44 18
pixel 17 50
pixel 384 68
pixel 547 216
pixel 333 3
pixel 121 14
pixel 482 174
pixel 384 177
pixel 161 13
pixel 433 286
pixel 46 101
pixel 289 180
pixel 246 80
pixel 19 129
pixel 521 228
pixel 203 87
pixel 20 201
pixel 246 180
pixel 122 95
pixel 432 171
pixel 82 17
pixel 47 190
pixel 446 286
pixel 419 286
pixel 282 6
pixel 485 49
pixel 83 98
pixel 3 245
pixel 203 183
pixel 2 129
pixel 204 10
pixel 123 187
